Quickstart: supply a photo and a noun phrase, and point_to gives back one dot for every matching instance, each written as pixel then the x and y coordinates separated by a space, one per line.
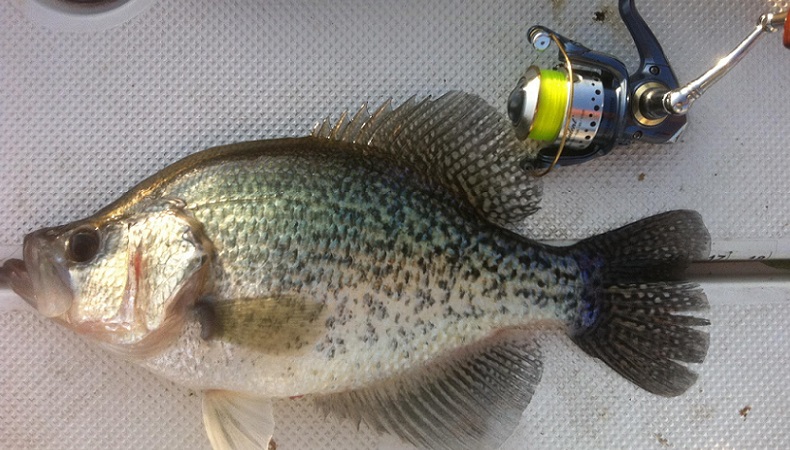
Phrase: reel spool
pixel 553 90
pixel 583 110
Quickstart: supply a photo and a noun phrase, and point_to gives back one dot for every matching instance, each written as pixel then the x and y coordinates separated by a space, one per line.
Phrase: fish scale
pixel 321 191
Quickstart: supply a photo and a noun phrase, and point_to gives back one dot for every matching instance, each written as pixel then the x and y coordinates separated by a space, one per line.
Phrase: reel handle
pixel 786 34
pixel 678 101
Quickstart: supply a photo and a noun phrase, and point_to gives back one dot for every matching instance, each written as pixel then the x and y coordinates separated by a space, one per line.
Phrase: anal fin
pixel 237 422
pixel 471 400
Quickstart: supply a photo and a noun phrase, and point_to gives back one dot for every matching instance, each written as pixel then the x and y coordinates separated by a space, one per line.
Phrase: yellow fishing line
pixel 553 100
pixel 569 68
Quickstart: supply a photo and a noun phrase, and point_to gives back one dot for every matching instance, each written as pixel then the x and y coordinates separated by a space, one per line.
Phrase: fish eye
pixel 83 245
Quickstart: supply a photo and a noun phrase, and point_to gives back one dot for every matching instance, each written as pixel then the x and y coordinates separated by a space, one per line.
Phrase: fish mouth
pixel 41 279
pixel 14 274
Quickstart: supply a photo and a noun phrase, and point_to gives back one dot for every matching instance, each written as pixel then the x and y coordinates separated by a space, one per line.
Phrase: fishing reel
pixel 589 104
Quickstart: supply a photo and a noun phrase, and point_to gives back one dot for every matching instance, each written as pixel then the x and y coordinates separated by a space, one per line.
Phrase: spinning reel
pixel 582 110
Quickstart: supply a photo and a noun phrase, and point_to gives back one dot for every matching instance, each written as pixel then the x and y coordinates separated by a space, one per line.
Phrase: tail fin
pixel 633 309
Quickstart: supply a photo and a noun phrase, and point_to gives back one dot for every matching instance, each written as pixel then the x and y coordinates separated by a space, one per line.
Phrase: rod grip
pixel 786 34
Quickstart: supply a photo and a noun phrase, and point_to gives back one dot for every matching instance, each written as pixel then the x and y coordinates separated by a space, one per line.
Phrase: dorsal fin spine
pixel 337 131
pixel 357 122
pixel 322 128
pixel 370 128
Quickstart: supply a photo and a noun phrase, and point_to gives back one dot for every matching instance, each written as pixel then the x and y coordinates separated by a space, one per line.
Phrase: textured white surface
pixel 84 116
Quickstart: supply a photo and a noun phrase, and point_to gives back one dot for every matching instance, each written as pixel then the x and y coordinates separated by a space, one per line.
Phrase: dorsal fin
pixel 457 140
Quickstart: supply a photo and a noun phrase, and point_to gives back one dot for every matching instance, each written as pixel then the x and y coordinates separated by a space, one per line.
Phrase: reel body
pixel 592 104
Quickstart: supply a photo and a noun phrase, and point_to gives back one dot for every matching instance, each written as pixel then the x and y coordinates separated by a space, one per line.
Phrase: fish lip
pixel 14 274
pixel 44 281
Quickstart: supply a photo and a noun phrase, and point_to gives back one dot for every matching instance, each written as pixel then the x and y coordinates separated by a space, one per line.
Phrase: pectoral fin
pixel 472 400
pixel 276 325
pixel 237 422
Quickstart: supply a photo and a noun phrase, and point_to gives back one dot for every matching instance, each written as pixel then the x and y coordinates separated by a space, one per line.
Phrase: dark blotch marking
pixel 600 16
pixel 370 336
pixel 210 325
pixel 557 275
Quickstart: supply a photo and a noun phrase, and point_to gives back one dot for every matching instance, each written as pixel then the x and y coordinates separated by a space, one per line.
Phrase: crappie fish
pixel 368 267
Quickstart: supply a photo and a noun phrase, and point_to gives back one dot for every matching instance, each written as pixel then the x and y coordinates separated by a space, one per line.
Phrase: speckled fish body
pixel 368 267
pixel 403 274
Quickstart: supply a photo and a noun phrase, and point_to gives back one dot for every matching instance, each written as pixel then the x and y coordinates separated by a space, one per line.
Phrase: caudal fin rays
pixel 635 314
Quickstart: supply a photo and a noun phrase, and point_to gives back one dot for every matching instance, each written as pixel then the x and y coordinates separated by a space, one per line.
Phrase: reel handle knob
pixel 786 35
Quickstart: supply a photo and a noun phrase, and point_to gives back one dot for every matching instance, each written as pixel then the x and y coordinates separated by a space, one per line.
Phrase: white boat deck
pixel 85 115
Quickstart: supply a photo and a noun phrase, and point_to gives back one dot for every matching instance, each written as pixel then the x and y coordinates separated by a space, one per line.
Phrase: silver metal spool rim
pixel 586 112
